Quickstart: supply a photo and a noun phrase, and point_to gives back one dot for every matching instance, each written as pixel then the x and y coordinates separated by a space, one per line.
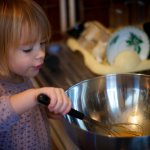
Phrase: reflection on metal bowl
pixel 111 99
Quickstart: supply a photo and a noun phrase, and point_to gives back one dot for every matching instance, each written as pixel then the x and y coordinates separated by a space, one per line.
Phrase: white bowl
pixel 128 38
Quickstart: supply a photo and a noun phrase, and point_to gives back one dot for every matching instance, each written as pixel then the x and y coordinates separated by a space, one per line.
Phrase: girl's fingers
pixel 60 103
pixel 64 104
pixel 53 98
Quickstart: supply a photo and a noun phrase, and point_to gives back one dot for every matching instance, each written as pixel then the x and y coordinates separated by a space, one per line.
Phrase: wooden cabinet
pixel 96 10
pixel 85 10
pixel 128 12
pixel 51 7
pixel 111 13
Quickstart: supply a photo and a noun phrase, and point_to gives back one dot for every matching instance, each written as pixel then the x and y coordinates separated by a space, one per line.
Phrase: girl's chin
pixel 30 75
pixel 33 74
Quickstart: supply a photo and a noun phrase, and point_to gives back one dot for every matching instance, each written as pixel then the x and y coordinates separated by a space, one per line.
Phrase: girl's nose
pixel 40 54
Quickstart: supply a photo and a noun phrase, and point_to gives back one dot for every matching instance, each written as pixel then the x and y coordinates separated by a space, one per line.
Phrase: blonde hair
pixel 14 14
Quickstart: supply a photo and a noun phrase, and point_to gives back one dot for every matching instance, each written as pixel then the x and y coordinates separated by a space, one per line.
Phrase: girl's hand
pixel 60 104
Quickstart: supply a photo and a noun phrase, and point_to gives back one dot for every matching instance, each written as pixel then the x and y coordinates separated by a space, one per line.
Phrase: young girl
pixel 24 32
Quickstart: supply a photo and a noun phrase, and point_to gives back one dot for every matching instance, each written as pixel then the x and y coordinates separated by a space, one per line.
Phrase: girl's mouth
pixel 38 66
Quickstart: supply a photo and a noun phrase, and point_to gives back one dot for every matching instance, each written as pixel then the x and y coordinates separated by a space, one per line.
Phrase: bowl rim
pixel 108 75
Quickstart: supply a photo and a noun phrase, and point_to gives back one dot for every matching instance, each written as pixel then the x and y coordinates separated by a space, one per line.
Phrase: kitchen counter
pixel 63 68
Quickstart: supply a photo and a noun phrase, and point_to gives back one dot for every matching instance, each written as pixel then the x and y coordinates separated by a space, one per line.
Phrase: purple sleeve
pixel 8 117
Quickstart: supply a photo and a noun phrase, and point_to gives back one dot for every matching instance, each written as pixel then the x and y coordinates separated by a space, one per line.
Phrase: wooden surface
pixel 63 69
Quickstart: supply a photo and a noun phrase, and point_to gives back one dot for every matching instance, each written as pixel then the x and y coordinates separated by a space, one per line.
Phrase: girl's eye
pixel 43 44
pixel 27 50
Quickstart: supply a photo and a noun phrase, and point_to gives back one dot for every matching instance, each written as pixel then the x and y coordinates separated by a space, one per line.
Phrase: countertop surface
pixel 64 68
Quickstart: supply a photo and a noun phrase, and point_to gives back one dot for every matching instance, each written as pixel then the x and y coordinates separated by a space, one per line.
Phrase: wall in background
pixel 64 14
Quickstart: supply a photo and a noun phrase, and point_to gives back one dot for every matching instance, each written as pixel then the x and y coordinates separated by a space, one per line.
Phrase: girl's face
pixel 27 59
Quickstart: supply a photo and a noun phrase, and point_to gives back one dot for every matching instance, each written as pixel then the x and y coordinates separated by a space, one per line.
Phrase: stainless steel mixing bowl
pixel 116 98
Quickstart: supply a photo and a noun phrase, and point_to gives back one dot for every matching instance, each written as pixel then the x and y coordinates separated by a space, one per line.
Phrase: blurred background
pixel 63 68
pixel 64 14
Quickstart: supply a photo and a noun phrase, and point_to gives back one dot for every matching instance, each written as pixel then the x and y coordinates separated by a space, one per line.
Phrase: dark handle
pixel 44 99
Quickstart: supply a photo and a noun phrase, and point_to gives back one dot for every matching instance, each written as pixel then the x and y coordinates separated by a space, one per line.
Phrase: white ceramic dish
pixel 125 62
pixel 128 38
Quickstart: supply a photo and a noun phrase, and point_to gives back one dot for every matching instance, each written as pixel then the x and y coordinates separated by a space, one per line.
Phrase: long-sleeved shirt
pixel 28 131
